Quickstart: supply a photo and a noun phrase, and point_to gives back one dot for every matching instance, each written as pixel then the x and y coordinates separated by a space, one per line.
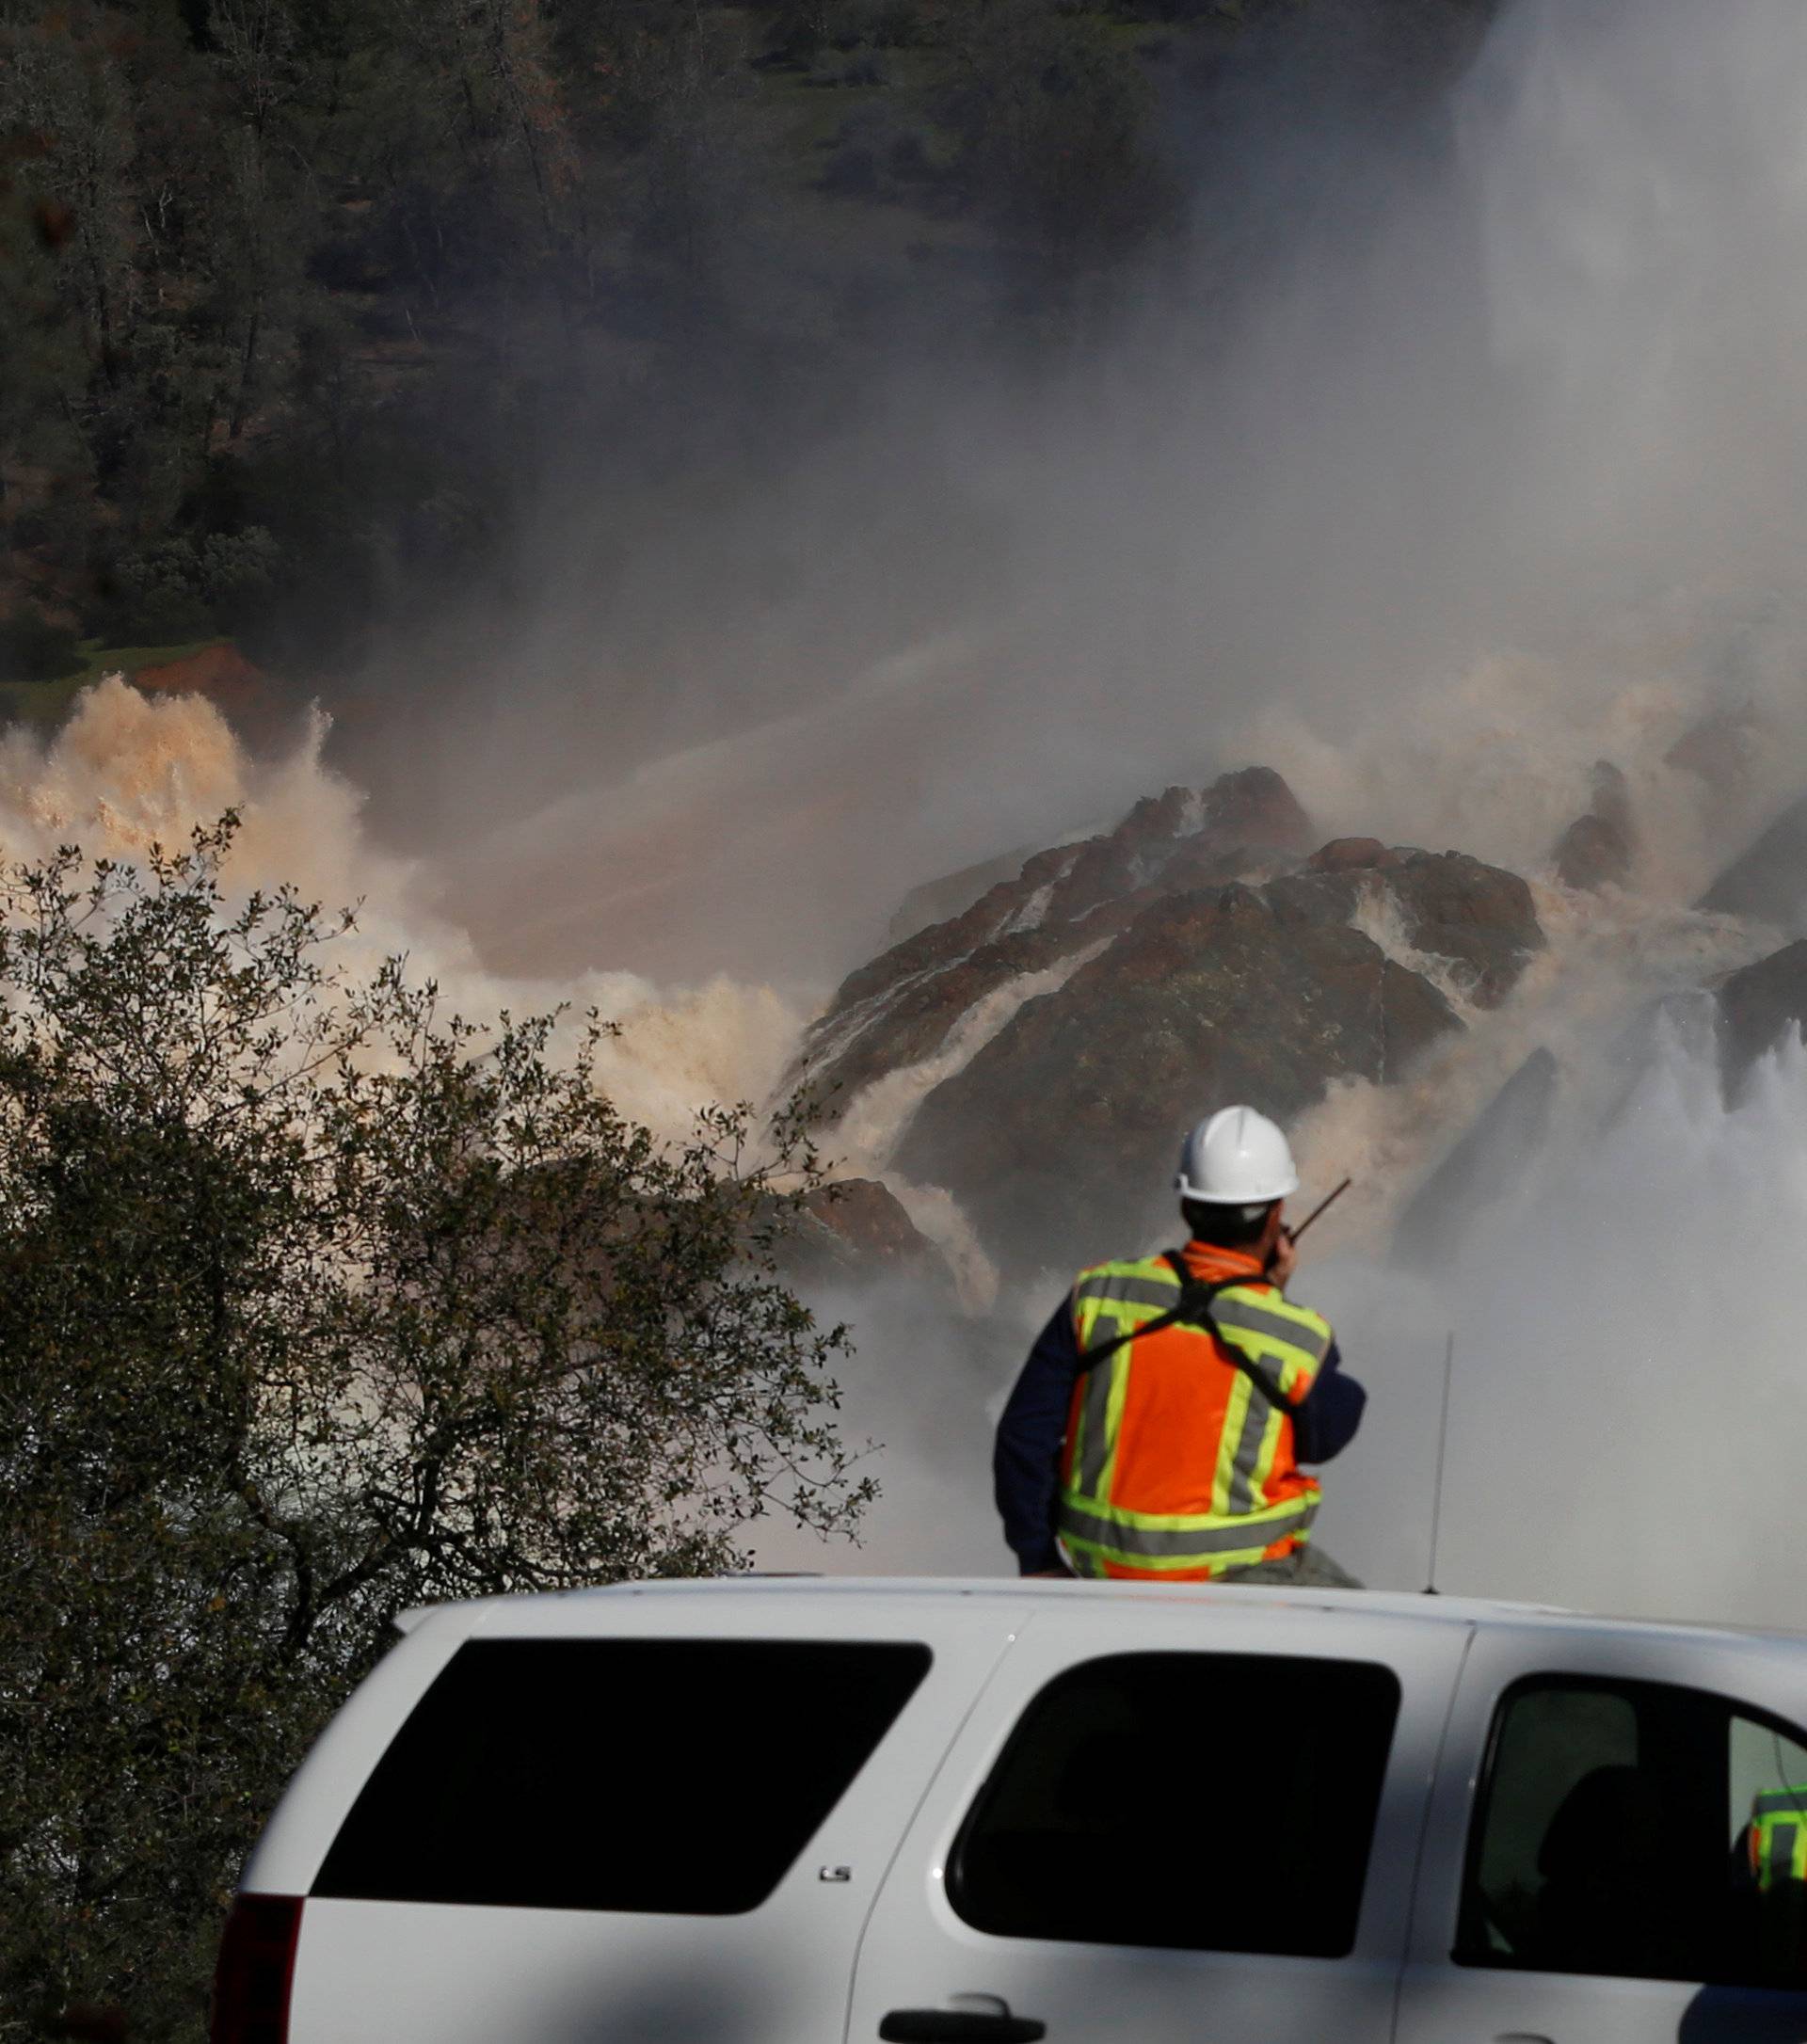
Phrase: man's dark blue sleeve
pixel 1026 1461
pixel 1325 1424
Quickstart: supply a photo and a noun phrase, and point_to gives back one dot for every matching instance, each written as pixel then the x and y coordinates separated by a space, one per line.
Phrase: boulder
pixel 857 1229
pixel 1596 850
pixel 1757 1007
pixel 1768 883
pixel 1352 855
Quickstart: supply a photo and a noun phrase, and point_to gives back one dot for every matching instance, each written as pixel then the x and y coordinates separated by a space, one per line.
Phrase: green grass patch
pixel 49 702
pixel 98 659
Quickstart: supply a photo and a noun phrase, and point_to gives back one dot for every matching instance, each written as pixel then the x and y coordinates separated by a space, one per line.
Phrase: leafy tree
pixel 1060 133
pixel 316 1302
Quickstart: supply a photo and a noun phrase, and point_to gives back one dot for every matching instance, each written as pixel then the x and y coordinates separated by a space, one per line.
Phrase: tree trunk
pixel 247 369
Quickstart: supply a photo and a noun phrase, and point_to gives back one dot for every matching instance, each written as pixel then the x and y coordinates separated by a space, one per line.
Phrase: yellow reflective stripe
pixel 1119 1366
pixel 1782 1829
pixel 1224 1483
pixel 1199 1522
pixel 1210 1564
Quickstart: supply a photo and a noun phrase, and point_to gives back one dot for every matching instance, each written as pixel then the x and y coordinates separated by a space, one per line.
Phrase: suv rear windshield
pixel 675 1776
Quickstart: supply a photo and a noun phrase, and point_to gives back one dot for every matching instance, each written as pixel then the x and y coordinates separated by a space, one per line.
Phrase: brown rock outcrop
pixel 901 1008
pixel 953 894
pixel 1352 855
pixel 855 1228
pixel 1265 994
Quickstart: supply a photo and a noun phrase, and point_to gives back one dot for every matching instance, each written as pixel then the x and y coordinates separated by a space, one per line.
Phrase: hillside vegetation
pixel 295 295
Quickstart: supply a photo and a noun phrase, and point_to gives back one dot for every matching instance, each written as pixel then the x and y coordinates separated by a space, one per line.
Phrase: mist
pixel 1491 452
pixel 1489 465
pixel 1505 481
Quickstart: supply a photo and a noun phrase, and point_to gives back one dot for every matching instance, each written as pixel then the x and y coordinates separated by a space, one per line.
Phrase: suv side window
pixel 675 1776
pixel 1207 1802
pixel 1638 1830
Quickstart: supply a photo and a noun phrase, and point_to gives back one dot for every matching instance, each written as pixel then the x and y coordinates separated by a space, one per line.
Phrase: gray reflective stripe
pixel 1211 1537
pixel 1781 1851
pixel 1135 1291
pixel 1240 1495
pixel 1253 1319
pixel 1096 1446
pixel 1781 1803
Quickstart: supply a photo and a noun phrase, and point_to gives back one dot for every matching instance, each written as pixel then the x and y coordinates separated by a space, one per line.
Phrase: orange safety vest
pixel 1178 1462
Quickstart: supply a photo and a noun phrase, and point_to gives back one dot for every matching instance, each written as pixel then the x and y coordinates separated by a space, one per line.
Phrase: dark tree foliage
pixel 295 295
pixel 316 1302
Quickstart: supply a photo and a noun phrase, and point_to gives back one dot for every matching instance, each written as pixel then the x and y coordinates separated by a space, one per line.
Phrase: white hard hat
pixel 1236 1158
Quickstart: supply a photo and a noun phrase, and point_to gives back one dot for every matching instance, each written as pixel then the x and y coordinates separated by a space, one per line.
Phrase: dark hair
pixel 1226 1227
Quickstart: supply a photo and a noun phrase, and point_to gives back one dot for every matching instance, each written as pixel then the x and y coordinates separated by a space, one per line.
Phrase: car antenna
pixel 1443 1443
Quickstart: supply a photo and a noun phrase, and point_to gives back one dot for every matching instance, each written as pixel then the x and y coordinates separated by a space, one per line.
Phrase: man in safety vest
pixel 1157 1429
pixel 1778 1846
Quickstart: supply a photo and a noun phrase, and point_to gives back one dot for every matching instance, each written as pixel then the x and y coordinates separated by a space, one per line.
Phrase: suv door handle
pixel 958 2026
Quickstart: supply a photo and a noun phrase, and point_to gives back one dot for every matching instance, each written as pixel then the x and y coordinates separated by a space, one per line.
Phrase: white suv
pixel 795 1813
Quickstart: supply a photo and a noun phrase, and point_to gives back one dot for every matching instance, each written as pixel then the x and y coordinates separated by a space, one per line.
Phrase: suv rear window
pixel 672 1776
pixel 1213 1802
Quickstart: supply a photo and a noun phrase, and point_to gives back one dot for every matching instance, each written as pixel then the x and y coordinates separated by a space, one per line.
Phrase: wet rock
pixel 1596 850
pixel 856 1229
pixel 1061 1127
pixel 903 1007
pixel 1758 1007
pixel 1590 854
pixel 1478 916
pixel 1059 1132
pixel 1768 883
pixel 941 900
pixel 1481 1167
pixel 1352 855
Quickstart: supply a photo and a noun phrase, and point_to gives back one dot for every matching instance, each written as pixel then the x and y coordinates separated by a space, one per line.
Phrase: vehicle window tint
pixel 1638 1830
pixel 680 1775
pixel 1768 1816
pixel 1210 1802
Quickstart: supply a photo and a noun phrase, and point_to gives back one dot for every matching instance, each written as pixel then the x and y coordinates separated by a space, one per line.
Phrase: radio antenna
pixel 1324 1206
pixel 1443 1443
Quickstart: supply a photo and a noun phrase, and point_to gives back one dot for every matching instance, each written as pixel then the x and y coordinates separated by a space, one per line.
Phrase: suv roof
pixel 1420 1606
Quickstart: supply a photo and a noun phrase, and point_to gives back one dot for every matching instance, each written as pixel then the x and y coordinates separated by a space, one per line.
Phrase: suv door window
pixel 1207 1802
pixel 1639 1829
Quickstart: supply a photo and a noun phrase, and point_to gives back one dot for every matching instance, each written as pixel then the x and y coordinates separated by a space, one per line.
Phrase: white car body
pixel 861 1935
